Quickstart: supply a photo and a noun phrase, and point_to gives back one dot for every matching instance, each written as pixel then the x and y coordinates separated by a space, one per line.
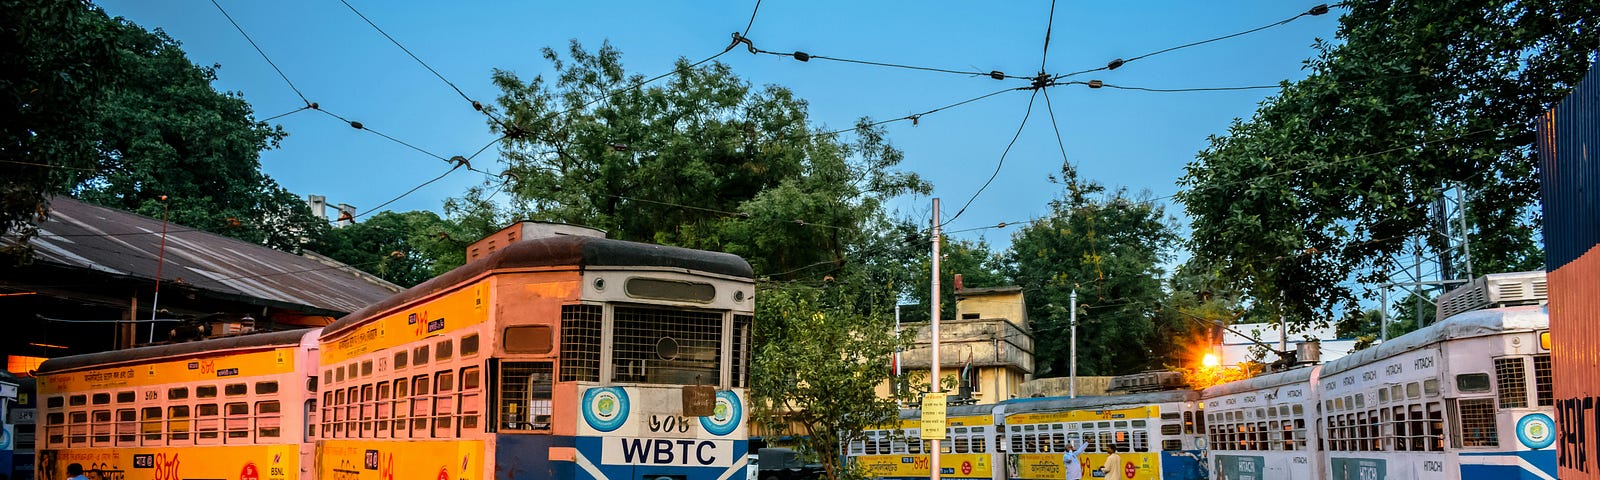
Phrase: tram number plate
pixel 666 451
pixel 371 460
pixel 144 460
pixel 669 424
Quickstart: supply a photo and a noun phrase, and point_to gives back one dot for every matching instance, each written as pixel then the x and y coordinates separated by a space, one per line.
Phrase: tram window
pixel 354 370
pixel 101 399
pixel 528 339
pixel 1171 445
pixel 469 345
pixel 419 355
pixel 56 402
pixel 443 350
pixel 205 391
pixel 177 393
pixel 1171 429
pixel 127 426
pixel 1511 377
pixel 366 410
pixel 580 342
pixel 401 408
pixel 1435 428
pixel 1476 423
pixel 470 378
pixel 268 419
pixel 237 422
pixel 1383 395
pixel 78 431
pixel 100 423
pixel 1361 401
pixel 235 389
pixel 1413 390
pixel 1419 432
pixel 151 425
pixel 1543 385
pixel 400 359
pixel 338 374
pixel 421 407
pixel 77 400
pixel 524 395
pixel 266 388
pixel 1472 382
pixel 206 423
pixel 327 377
pixel 958 440
pixel 1016 439
pixel 125 397
pixel 1140 439
pixel 470 397
pixel 366 368
pixel 178 422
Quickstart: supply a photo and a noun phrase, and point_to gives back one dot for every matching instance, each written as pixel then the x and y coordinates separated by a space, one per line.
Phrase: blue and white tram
pixel 1259 428
pixel 1469 397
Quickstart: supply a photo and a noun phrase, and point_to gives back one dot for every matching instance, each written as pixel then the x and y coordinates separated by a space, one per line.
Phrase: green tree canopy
pixel 1329 180
pixel 1109 246
pixel 117 115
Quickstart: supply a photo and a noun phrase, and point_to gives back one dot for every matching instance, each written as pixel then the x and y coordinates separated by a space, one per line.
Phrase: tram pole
pixel 161 260
pixel 933 464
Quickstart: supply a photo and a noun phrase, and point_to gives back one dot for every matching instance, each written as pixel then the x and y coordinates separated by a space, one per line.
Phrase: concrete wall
pixel 1060 387
pixel 983 342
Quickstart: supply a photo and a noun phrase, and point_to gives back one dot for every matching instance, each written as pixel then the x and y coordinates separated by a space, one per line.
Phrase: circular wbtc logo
pixel 1536 431
pixel 725 415
pixel 605 408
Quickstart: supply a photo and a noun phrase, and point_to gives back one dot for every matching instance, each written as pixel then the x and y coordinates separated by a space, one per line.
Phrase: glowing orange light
pixel 1210 360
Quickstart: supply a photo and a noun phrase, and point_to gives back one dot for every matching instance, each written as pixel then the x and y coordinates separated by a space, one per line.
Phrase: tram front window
pixel 525 395
pixel 666 346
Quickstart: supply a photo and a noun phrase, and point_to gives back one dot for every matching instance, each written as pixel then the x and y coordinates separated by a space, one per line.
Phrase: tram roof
pixel 1037 404
pixel 567 250
pixel 1476 323
pixel 186 349
pixel 1258 383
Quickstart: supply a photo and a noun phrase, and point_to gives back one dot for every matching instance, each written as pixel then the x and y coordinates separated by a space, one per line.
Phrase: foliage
pixel 703 161
pixel 401 247
pixel 1109 248
pixel 978 266
pixel 833 358
pixel 124 118
pixel 1333 177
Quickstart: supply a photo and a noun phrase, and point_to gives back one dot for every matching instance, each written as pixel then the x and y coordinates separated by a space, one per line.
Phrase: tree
pixel 833 357
pixel 1108 247
pixel 1333 177
pixel 703 161
pixel 404 248
pixel 978 266
pixel 116 115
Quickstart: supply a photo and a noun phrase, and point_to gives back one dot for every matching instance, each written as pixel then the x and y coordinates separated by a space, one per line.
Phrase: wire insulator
pixel 1319 9
pixel 1096 84
pixel 1114 64
pixel 802 56
pixel 997 75
pixel 314 106
pixel 477 106
pixel 356 125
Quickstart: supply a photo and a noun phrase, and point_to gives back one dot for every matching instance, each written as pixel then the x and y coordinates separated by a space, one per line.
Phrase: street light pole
pixel 933 466
pixel 1072 370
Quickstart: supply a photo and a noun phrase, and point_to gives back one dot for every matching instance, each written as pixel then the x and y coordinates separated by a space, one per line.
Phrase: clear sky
pixel 1139 140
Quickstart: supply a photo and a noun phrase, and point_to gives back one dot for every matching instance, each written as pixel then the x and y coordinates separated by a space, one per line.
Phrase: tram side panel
pixel 231 415
pixel 1266 433
pixel 1035 442
pixel 900 452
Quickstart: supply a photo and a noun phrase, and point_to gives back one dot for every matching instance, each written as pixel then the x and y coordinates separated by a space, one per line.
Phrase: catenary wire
pixel 1001 163
pixel 475 104
pixel 1117 63
pixel 263 53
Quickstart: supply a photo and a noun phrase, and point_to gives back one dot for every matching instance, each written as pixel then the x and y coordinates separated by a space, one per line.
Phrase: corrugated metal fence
pixel 1569 157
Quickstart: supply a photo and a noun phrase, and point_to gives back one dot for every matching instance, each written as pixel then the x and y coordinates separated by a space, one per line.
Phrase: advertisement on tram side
pixel 254 462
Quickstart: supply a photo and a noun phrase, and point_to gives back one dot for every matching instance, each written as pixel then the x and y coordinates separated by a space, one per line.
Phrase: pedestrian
pixel 75 472
pixel 1113 462
pixel 1070 462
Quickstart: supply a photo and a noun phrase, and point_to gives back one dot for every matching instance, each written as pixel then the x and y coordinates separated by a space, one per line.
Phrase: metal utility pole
pixel 1072 365
pixel 933 464
pixel 161 260
pixel 897 354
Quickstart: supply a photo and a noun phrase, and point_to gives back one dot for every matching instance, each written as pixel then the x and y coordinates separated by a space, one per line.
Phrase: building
pixel 987 349
pixel 89 284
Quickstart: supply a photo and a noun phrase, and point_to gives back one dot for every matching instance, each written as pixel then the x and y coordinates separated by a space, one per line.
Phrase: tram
pixel 973 446
pixel 1153 433
pixel 569 357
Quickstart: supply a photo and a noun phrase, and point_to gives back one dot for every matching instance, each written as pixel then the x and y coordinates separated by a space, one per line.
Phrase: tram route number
pixel 669 424
pixel 370 460
pixel 144 460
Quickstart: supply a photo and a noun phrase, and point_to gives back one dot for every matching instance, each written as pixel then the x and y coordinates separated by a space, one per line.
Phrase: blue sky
pixel 1138 140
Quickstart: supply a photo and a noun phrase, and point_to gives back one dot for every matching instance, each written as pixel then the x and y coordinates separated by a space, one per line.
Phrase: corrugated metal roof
pixel 118 243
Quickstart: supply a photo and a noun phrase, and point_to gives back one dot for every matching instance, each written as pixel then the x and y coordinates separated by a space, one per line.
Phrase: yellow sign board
pixel 933 419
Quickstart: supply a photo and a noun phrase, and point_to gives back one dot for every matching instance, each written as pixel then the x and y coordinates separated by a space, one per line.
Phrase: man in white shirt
pixel 1070 463
pixel 1113 466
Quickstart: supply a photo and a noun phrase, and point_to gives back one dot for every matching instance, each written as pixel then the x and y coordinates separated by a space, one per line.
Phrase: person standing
pixel 1070 463
pixel 1113 463
pixel 75 472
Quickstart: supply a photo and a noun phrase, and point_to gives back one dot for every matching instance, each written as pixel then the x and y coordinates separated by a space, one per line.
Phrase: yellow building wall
pixel 1008 306
pixel 994 383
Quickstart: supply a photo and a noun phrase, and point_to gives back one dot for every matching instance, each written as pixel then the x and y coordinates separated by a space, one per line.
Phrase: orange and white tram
pixel 565 357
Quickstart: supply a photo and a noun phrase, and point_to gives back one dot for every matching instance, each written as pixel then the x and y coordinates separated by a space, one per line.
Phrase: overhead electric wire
pixel 1117 63
pixel 1025 114
pixel 263 53
pixel 360 126
pixel 285 114
pixel 1059 143
pixel 752 21
pixel 408 192
pixel 915 117
pixel 1199 89
pixel 47 165
pixel 1049 25
pixel 475 104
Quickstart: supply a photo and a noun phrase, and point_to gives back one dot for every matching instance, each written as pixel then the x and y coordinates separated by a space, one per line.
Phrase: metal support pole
pixel 897 391
pixel 1466 239
pixel 161 260
pixel 1383 316
pixel 1072 365
pixel 933 464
